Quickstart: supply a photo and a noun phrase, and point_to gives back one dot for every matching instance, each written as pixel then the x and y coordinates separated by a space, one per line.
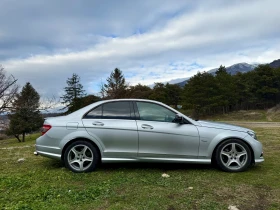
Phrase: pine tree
pixel 159 93
pixel 73 91
pixel 25 117
pixel 265 86
pixel 174 94
pixel 139 91
pixel 226 90
pixel 116 86
pixel 79 103
pixel 199 94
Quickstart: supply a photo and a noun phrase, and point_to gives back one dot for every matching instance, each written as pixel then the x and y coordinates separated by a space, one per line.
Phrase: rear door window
pixel 116 110
pixel 95 113
pixel 111 110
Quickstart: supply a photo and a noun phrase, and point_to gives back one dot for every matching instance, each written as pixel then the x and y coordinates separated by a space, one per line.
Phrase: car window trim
pixel 136 112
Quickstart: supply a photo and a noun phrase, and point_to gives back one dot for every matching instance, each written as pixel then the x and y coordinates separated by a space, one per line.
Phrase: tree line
pixel 209 94
pixel 204 93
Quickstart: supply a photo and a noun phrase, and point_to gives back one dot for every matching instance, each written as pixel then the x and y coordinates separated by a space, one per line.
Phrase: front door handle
pixel 98 123
pixel 145 126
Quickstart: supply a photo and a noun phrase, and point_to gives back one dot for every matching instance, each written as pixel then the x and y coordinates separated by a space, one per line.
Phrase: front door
pixel 160 137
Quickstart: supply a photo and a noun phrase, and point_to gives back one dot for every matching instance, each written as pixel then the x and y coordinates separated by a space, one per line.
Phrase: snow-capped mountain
pixel 233 69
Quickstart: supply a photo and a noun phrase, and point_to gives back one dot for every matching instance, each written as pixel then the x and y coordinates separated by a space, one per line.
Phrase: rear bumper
pixel 50 152
pixel 47 154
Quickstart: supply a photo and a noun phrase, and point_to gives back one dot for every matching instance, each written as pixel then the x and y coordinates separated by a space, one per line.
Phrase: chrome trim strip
pixel 109 160
pixel 257 161
pixel 144 159
pixel 50 155
pixel 37 145
pixel 187 160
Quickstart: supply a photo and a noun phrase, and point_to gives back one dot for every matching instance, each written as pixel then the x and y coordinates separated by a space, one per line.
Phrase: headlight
pixel 252 134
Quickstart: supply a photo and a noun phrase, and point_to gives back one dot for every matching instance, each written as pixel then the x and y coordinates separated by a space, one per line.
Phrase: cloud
pixel 141 38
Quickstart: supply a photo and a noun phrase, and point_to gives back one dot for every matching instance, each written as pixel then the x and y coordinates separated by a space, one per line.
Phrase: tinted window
pixel 154 112
pixel 116 110
pixel 95 113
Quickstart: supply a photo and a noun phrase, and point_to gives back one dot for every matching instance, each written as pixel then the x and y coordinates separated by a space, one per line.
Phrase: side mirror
pixel 179 119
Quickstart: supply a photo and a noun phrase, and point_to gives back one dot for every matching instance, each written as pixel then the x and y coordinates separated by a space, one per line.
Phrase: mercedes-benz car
pixel 136 130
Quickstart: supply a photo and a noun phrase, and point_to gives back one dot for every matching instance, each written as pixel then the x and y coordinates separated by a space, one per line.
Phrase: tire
pixel 81 156
pixel 233 155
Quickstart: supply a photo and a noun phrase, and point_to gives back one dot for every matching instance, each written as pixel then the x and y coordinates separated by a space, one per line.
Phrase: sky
pixel 45 42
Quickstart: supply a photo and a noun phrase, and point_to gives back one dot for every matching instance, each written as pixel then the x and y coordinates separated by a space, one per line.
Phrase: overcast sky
pixel 45 42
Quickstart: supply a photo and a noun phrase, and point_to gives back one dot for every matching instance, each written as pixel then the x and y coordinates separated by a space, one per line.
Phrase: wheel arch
pixel 235 138
pixel 80 139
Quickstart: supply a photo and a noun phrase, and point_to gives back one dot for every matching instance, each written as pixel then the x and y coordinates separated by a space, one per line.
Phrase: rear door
pixel 114 124
pixel 160 137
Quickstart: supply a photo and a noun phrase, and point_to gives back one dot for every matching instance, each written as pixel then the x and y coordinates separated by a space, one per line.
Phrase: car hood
pixel 224 126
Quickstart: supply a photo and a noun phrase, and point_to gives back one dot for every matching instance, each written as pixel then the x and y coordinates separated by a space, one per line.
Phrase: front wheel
pixel 233 155
pixel 81 156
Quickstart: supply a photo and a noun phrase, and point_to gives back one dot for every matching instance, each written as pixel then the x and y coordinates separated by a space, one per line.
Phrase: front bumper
pixel 260 159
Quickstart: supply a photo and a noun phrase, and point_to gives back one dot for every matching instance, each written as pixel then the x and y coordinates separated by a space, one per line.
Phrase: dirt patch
pixel 269 118
pixel 9 148
pixel 273 114
pixel 171 208
pixel 245 197
pixel 260 199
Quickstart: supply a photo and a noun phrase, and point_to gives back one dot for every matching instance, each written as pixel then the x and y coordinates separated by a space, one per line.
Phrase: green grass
pixel 42 183
pixel 242 115
pixel 270 115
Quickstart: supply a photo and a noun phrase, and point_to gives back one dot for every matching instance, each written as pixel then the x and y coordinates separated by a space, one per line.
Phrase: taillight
pixel 45 129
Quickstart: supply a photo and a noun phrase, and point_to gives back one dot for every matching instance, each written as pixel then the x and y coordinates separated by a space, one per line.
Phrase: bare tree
pixel 8 90
pixel 102 93
pixel 49 103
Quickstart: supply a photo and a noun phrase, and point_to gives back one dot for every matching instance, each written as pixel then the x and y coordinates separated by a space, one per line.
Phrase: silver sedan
pixel 136 130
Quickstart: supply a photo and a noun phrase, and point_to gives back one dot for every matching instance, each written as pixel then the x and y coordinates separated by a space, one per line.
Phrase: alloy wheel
pixel 80 157
pixel 233 156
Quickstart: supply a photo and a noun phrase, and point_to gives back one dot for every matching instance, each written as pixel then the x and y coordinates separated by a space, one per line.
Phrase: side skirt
pixel 145 159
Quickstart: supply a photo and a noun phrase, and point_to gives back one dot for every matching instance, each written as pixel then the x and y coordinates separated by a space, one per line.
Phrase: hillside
pixel 239 67
pixel 275 64
pixel 235 68
pixel 269 115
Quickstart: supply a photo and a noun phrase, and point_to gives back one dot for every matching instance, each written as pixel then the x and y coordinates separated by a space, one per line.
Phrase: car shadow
pixel 154 166
pixel 55 164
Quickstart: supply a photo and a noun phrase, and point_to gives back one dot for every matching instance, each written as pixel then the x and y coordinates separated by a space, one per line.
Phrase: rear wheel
pixel 81 156
pixel 233 155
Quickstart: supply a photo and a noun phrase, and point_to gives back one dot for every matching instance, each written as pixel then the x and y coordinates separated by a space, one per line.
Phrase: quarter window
pixel 95 113
pixel 154 112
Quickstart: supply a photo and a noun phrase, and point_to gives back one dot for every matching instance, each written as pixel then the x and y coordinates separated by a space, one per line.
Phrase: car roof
pixel 131 99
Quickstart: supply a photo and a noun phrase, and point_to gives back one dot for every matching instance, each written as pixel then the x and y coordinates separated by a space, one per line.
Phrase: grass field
pixel 270 115
pixel 42 183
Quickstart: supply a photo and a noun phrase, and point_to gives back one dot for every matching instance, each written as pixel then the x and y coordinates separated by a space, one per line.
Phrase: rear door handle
pixel 98 123
pixel 145 126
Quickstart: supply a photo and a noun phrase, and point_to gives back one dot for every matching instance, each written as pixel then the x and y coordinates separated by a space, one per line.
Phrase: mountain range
pixel 233 69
